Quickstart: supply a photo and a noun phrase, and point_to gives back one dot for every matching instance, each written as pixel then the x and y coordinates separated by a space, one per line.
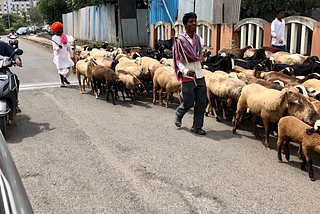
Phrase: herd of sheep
pixel 271 85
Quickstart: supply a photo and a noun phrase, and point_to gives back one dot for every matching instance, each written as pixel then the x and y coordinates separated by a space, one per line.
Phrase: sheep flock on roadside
pixel 265 84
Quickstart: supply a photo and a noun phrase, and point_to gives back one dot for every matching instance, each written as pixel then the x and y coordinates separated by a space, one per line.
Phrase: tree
pixel 13 18
pixel 254 8
pixel 35 16
pixel 52 10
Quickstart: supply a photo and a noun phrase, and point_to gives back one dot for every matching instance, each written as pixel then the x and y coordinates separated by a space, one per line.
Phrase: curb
pixel 46 44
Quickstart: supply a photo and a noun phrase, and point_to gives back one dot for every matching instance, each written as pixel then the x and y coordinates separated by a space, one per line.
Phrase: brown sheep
pixel 269 104
pixel 293 129
pixel 101 74
pixel 238 52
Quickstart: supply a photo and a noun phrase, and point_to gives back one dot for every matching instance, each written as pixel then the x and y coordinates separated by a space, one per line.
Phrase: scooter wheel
pixel 3 126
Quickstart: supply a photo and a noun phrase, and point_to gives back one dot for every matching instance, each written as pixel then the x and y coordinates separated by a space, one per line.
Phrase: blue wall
pixel 158 12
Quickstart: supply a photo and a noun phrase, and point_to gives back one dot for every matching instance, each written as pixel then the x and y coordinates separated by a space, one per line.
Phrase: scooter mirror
pixel 18 51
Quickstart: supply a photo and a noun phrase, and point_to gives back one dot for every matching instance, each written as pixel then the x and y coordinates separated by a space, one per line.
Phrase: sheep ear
pixel 309 131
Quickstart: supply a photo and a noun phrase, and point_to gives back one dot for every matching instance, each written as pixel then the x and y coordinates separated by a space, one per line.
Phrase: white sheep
pixel 84 68
pixel 293 129
pixel 269 104
pixel 292 59
pixel 130 83
pixel 225 87
pixel 165 78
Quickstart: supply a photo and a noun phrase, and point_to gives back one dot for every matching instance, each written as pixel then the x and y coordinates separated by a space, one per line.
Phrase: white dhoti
pixel 61 58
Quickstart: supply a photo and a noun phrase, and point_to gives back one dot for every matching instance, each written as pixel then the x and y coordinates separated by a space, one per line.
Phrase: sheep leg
pixel 83 83
pixel 223 111
pixel 266 128
pixel 154 92
pixel 209 104
pixel 161 98
pixel 300 152
pixel 279 147
pixel 238 114
pixel 285 150
pixel 309 162
pixel 123 95
pixel 168 97
pixel 95 89
pixel 255 129
pixel 112 95
pixel 79 80
pixel 180 98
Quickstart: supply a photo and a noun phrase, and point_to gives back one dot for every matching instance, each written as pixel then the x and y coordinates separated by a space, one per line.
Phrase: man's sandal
pixel 198 131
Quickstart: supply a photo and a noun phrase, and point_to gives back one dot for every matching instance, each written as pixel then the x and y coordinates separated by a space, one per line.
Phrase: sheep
pixel 141 73
pixel 225 63
pixel 119 56
pixel 165 78
pixel 84 54
pixel 312 83
pixel 130 83
pixel 84 68
pixel 300 70
pixel 75 59
pixel 293 129
pixel 168 62
pixel 251 79
pixel 147 62
pixel 226 87
pixel 101 53
pixel 287 80
pixel 236 51
pixel 269 104
pixel 255 54
pixel 101 74
pixel 109 63
pixel 293 59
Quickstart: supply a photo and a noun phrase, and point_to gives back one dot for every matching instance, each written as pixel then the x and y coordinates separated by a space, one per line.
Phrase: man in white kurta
pixel 61 48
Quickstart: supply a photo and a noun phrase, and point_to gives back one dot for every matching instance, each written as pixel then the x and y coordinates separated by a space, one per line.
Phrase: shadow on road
pixel 22 128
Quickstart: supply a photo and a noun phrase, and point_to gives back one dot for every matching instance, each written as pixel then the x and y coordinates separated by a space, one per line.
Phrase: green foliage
pixel 14 19
pixel 35 16
pixel 232 45
pixel 52 10
pixel 19 23
pixel 2 27
pixel 118 43
pixel 254 8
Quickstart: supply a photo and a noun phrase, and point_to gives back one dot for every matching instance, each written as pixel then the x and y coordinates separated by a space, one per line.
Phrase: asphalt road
pixel 77 154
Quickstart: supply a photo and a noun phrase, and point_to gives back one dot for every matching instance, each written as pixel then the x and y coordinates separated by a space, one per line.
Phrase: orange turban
pixel 56 26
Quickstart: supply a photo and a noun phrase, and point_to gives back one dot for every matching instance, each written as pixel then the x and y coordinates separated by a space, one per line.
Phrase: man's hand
pixel 18 62
pixel 60 46
pixel 191 73
pixel 279 40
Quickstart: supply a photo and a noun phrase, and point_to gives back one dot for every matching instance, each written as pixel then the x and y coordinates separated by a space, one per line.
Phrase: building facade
pixel 16 6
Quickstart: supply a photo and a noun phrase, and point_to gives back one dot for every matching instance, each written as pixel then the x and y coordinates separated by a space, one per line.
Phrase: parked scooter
pixel 13 41
pixel 9 85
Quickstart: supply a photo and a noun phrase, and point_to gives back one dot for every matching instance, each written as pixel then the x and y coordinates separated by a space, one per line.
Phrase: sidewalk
pixel 39 39
pixel 44 40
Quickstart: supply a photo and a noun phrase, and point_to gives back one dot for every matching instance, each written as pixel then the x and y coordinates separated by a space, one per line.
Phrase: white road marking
pixel 24 87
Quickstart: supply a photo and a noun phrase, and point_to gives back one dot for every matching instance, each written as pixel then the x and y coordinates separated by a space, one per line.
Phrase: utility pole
pixel 194 6
pixel 8 13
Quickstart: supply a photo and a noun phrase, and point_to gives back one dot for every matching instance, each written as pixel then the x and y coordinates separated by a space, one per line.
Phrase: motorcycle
pixel 9 86
pixel 13 41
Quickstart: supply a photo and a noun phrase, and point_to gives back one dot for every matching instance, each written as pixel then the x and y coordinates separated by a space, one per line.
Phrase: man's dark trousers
pixel 194 95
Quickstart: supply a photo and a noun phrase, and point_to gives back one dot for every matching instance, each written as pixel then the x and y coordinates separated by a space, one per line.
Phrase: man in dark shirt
pixel 7 50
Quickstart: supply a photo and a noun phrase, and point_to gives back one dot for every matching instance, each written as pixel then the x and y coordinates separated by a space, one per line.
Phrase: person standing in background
pixel 61 47
pixel 277 31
